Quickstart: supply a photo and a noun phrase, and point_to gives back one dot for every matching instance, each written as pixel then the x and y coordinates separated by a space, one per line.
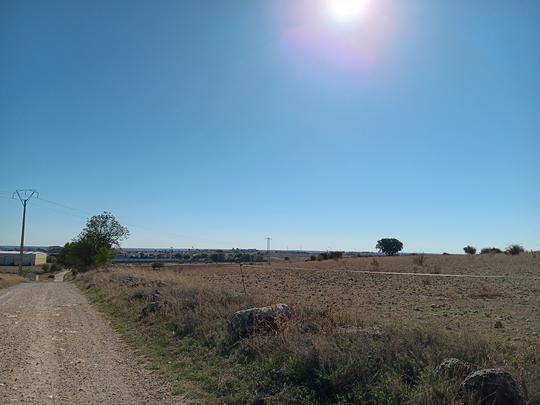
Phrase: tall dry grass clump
pixel 8 280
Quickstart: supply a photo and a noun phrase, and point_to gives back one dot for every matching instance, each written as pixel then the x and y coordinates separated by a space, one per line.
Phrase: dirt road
pixel 55 348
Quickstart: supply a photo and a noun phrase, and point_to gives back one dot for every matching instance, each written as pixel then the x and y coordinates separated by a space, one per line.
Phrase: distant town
pixel 192 255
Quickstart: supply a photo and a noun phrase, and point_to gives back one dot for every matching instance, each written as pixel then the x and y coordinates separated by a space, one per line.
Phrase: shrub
pixel 492 250
pixel 157 265
pixel 46 268
pixel 313 258
pixel 217 257
pixel 470 250
pixel 56 267
pixel 322 256
pixel 514 250
pixel 419 260
pixel 335 255
pixel 389 246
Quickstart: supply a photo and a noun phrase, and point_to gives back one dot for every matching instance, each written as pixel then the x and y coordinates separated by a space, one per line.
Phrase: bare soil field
pixel 488 321
pixel 454 304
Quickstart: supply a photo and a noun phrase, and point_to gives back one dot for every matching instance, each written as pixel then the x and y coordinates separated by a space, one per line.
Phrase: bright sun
pixel 347 10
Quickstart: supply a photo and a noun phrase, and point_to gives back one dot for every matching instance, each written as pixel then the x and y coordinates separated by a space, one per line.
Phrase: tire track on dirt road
pixel 55 348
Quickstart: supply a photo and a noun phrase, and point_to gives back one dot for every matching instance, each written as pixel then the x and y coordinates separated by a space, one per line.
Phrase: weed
pixel 419 260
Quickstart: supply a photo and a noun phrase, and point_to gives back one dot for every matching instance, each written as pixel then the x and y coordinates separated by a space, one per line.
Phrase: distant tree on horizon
pixel 389 246
pixel 470 250
pixel 491 250
pixel 514 250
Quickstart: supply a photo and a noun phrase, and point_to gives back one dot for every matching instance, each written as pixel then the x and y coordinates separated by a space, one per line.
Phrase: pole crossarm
pixel 25 194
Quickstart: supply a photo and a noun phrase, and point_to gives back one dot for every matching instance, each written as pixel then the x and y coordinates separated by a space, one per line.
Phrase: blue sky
pixel 216 124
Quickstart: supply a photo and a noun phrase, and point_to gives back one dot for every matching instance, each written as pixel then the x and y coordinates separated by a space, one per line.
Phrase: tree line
pixel 96 246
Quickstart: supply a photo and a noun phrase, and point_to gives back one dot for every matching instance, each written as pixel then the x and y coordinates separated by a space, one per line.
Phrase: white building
pixel 11 258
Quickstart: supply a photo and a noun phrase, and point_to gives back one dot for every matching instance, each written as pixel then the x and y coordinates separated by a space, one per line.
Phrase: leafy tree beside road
pixel 95 246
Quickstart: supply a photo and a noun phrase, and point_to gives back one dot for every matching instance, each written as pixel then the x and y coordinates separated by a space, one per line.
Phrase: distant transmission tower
pixel 268 239
pixel 24 196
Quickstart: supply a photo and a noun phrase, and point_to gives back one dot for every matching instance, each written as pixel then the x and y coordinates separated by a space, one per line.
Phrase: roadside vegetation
pixel 7 280
pixel 354 338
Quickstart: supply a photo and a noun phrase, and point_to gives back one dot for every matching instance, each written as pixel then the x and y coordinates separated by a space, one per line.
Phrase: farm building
pixel 11 258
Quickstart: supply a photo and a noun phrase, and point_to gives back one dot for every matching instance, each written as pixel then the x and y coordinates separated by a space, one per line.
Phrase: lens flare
pixel 339 36
pixel 347 10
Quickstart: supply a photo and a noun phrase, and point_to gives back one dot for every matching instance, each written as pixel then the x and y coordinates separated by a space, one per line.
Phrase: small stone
pixel 453 367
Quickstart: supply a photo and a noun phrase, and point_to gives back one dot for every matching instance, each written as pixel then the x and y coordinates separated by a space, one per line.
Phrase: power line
pixel 71 212
pixel 64 206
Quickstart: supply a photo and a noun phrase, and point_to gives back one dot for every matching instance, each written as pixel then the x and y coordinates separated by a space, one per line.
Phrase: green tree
pixel 104 230
pixel 470 250
pixel 389 246
pixel 95 246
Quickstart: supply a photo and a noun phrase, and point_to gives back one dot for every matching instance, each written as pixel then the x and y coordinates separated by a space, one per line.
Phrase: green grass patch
pixel 194 370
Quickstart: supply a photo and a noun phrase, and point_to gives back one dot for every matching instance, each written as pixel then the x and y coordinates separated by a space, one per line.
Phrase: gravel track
pixel 55 348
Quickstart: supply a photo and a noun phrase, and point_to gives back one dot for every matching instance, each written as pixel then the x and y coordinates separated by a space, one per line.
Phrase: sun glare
pixel 345 11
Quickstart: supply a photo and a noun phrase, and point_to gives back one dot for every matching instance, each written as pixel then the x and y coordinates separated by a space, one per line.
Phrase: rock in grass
pixel 265 319
pixel 149 308
pixel 154 304
pixel 490 387
pixel 453 367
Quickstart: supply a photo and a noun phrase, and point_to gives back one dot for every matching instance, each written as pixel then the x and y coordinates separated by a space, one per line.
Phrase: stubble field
pixel 450 303
pixel 449 311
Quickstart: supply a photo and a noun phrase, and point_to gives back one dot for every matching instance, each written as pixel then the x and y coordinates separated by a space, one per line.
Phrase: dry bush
pixel 419 260
pixel 7 280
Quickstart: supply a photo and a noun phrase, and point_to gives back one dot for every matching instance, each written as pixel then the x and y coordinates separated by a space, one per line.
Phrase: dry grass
pixel 425 319
pixel 7 280
pixel 488 291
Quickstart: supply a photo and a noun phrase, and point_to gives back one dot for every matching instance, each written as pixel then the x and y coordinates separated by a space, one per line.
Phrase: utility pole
pixel 24 196
pixel 268 239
